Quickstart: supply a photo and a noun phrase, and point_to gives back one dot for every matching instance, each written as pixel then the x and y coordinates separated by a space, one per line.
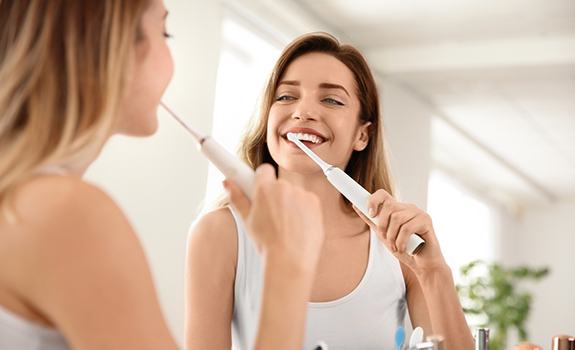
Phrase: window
pixel 464 224
pixel 246 61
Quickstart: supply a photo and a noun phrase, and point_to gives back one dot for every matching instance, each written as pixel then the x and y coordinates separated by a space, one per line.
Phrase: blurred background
pixel 478 101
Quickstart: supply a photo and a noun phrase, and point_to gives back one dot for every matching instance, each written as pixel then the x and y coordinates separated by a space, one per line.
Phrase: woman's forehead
pixel 318 67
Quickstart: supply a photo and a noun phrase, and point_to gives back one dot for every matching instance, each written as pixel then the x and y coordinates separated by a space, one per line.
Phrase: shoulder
pixel 214 235
pixel 219 221
pixel 69 231
pixel 58 199
pixel 64 213
pixel 67 208
pixel 63 221
pixel 80 262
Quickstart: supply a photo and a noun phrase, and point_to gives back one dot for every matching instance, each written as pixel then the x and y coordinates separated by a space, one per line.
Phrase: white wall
pixel 545 236
pixel 407 123
pixel 160 181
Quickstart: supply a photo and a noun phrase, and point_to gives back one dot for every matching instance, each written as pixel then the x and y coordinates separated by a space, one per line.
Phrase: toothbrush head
pixel 322 164
pixel 292 137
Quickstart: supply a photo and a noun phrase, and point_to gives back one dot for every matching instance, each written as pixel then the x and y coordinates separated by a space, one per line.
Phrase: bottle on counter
pixel 481 339
pixel 563 342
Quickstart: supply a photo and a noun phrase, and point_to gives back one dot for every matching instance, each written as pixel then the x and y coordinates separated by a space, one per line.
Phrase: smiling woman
pixel 324 92
pixel 355 79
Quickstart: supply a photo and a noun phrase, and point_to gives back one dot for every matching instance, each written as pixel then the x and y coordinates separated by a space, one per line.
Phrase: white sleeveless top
pixel 366 318
pixel 17 333
pixel 20 334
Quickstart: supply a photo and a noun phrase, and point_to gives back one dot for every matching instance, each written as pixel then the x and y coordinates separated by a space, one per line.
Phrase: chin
pixel 149 128
pixel 299 166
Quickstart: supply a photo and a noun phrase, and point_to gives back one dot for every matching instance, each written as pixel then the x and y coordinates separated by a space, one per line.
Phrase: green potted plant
pixel 489 294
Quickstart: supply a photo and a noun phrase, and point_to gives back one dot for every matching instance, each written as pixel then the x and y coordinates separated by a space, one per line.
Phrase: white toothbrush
pixel 351 190
pixel 232 167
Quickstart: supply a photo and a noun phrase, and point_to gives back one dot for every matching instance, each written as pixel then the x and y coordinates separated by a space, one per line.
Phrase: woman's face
pixel 316 98
pixel 150 74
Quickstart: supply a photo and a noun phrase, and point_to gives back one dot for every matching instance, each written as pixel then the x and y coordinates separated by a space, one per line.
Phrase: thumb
pixel 238 199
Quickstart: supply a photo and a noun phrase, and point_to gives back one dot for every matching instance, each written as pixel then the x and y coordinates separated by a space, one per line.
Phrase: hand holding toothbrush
pixel 285 221
pixel 394 222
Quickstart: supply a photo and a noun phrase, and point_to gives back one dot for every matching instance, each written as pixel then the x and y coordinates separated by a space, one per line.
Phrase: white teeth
pixel 308 137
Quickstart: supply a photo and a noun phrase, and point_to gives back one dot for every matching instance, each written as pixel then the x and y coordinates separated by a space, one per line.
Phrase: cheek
pixel 149 79
pixel 272 134
pixel 166 62
pixel 156 72
pixel 273 124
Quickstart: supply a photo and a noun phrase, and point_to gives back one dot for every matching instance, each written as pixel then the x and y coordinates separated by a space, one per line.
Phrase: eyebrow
pixel 166 14
pixel 322 85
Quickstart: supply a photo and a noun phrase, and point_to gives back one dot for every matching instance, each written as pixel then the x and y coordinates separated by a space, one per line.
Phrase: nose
pixel 301 115
pixel 305 111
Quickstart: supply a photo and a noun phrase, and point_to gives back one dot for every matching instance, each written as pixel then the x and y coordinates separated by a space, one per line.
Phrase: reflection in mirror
pixel 479 115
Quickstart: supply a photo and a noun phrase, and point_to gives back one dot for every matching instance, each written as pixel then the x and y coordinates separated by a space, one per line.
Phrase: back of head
pixel 63 67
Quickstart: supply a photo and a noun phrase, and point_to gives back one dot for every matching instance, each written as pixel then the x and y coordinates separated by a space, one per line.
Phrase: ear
pixel 362 137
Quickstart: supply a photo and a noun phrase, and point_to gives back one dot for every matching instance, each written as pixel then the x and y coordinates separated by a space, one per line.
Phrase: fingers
pixel 265 178
pixel 238 198
pixel 370 223
pixel 397 222
pixel 413 226
pixel 375 202
pixel 382 219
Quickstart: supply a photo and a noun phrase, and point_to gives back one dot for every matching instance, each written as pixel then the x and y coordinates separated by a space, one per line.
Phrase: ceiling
pixel 381 24
pixel 499 77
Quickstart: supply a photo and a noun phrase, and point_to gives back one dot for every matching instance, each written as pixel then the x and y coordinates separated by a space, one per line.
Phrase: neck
pixel 75 165
pixel 339 219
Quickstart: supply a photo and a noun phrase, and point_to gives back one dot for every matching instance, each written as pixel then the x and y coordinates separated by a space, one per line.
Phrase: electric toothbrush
pixel 351 190
pixel 232 167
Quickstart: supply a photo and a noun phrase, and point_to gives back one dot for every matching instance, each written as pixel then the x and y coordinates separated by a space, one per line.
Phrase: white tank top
pixel 20 334
pixel 366 318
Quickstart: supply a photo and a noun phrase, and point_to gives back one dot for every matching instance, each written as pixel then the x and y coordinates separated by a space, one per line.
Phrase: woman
pixel 73 273
pixel 324 92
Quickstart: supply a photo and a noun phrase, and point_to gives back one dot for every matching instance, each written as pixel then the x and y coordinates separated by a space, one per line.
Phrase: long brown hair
pixel 63 69
pixel 369 166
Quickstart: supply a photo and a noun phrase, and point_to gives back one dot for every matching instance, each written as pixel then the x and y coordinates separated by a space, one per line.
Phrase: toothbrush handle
pixel 359 197
pixel 232 167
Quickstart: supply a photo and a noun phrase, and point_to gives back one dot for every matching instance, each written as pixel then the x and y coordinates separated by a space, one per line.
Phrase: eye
pixel 285 98
pixel 333 101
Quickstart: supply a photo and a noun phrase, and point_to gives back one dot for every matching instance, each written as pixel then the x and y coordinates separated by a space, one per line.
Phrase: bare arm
pixel 87 273
pixel 210 274
pixel 434 305
pixel 417 307
pixel 445 312
pixel 430 287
